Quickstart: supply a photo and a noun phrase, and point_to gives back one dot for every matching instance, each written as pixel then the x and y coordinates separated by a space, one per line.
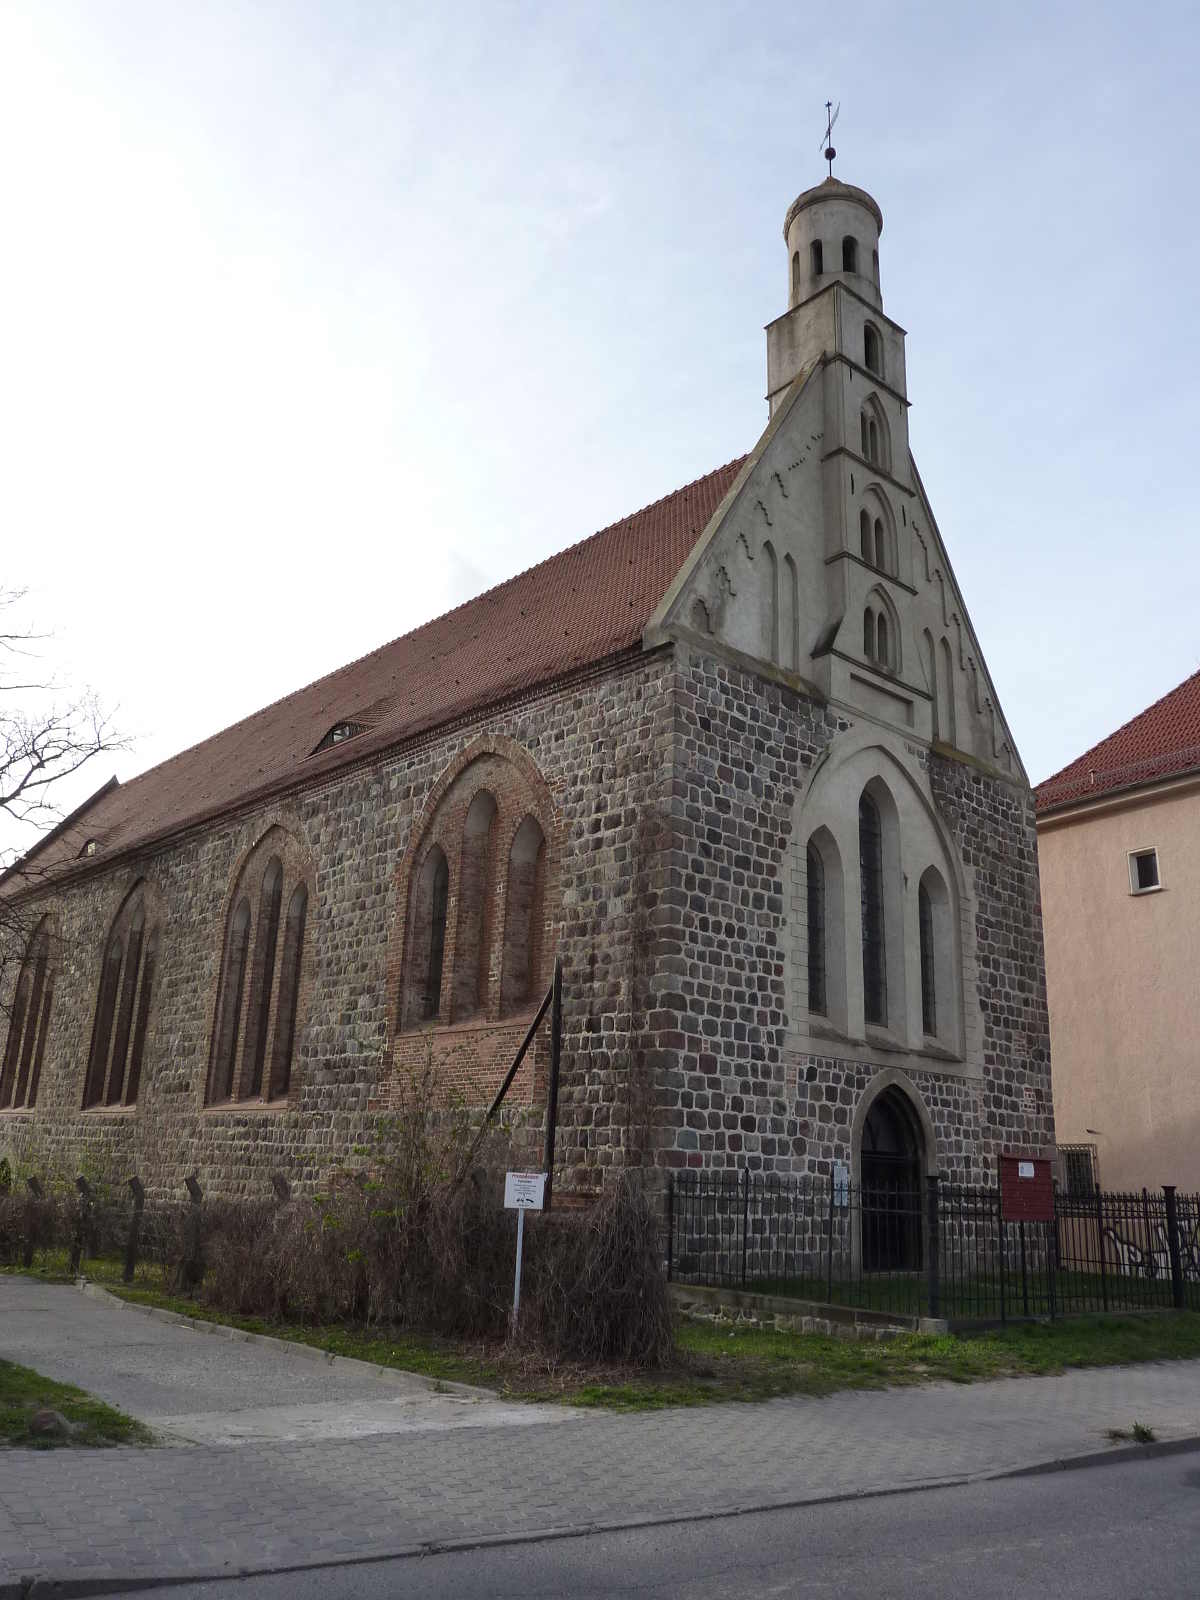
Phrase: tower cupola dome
pixel 832 232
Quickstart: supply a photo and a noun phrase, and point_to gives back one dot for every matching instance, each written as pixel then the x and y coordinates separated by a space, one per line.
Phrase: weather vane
pixel 831 116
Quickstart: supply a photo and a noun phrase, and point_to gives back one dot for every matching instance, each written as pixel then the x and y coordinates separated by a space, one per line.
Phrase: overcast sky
pixel 318 318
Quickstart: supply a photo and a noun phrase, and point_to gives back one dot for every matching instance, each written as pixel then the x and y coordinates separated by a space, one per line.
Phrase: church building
pixel 736 759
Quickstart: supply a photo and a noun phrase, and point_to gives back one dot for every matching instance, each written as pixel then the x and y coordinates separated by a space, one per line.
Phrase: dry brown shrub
pixel 596 1288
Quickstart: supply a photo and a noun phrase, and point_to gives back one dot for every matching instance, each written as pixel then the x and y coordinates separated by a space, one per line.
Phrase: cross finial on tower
pixel 831 116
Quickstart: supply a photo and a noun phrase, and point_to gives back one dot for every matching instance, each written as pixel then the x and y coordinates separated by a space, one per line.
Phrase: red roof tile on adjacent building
pixel 589 602
pixel 1161 742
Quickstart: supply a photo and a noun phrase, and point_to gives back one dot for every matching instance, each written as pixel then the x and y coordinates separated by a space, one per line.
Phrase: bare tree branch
pixel 48 733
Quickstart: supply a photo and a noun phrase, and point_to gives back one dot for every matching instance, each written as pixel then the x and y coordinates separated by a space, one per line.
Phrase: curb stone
pixel 34 1587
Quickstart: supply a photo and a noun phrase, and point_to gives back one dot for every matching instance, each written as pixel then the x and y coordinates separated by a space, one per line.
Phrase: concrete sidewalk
pixel 219 1509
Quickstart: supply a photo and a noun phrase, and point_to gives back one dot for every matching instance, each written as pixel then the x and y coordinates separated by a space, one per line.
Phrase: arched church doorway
pixel 890 1184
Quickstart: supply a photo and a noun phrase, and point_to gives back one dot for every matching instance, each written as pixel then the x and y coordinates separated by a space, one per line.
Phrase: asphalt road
pixel 1114 1532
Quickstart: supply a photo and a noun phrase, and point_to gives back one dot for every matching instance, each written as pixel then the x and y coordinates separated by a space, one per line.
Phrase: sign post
pixel 523 1191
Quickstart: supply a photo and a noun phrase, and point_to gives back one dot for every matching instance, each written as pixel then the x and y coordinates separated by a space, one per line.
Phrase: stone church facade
pixel 736 759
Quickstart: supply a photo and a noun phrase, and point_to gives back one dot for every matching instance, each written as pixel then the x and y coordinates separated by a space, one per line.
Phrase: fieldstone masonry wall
pixel 730 1092
pixel 672 778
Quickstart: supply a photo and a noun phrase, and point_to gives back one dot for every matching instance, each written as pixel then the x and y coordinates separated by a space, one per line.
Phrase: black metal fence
pixel 938 1249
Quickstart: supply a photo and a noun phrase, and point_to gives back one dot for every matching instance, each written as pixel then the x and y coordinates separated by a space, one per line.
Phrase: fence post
pixel 1003 1257
pixel 829 1268
pixel 1100 1243
pixel 138 1192
pixel 670 1224
pixel 35 1194
pixel 81 1221
pixel 933 1230
pixel 193 1264
pixel 1173 1247
pixel 1024 1271
pixel 745 1219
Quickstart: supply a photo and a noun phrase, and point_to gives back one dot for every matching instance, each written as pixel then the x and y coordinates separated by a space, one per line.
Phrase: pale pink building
pixel 1119 849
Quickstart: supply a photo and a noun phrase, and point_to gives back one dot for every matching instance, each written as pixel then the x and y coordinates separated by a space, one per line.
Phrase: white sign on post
pixel 523 1191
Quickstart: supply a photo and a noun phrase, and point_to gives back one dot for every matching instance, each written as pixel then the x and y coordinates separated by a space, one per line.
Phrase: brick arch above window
pixel 263 985
pixel 490 825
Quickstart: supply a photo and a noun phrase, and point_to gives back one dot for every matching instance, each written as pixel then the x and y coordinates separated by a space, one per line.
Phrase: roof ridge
pixel 1109 737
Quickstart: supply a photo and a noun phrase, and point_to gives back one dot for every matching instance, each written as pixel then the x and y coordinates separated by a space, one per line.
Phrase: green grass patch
pixel 24 1392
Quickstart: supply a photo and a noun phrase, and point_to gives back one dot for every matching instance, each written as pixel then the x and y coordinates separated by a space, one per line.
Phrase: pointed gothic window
pixel 255 1027
pixel 816 932
pixel 29 1021
pixel 123 1007
pixel 872 356
pixel 928 968
pixel 881 546
pixel 869 634
pixel 870 863
pixel 289 992
pixel 882 654
pixel 795 273
pixel 437 891
pixel 818 258
pixel 524 917
pixel 865 542
pixel 849 254
pixel 229 1012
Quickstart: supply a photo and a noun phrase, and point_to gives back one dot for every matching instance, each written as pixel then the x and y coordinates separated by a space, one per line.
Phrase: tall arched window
pixel 865 541
pixel 938 965
pixel 795 273
pixel 29 1020
pixel 928 964
pixel 874 950
pixel 524 917
pixel 425 967
pixel 261 975
pixel 114 1072
pixel 817 993
pixel 818 258
pixel 869 634
pixel 289 992
pixel 882 556
pixel 849 254
pixel 476 883
pixel 229 1012
pixel 262 972
pixel 872 350
pixel 882 642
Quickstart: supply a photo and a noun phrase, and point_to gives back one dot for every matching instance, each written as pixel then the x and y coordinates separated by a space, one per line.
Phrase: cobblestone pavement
pixel 209 1509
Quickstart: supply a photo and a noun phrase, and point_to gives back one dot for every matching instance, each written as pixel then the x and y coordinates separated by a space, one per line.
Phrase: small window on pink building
pixel 1143 871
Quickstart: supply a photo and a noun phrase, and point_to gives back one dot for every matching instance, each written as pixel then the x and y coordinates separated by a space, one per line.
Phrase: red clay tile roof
pixel 590 601
pixel 1161 742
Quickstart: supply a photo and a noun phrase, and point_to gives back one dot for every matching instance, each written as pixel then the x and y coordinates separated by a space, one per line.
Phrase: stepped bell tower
pixel 836 337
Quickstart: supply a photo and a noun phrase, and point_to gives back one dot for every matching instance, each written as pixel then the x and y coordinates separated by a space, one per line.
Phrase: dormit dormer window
pixel 339 733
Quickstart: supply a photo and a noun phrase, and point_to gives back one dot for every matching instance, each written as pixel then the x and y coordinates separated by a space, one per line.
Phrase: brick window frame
pixel 29 1018
pixel 265 978
pixel 491 970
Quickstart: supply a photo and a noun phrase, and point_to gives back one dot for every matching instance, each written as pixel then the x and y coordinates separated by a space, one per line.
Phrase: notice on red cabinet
pixel 1026 1188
